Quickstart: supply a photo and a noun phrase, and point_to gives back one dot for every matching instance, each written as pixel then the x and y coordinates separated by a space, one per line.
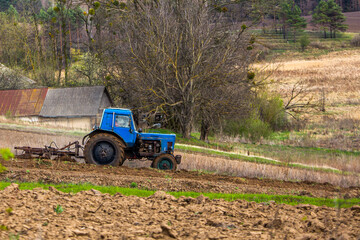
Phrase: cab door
pixel 122 127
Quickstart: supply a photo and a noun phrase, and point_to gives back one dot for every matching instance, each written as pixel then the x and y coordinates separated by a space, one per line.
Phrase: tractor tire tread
pixel 106 136
pixel 169 156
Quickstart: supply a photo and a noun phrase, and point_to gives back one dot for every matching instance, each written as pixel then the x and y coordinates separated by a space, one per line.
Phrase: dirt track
pixel 92 215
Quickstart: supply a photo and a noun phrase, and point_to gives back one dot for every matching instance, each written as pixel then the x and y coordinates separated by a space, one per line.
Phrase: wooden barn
pixel 77 108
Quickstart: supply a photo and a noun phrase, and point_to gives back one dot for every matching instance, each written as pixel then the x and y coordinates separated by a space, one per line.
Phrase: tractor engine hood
pixel 165 139
pixel 157 136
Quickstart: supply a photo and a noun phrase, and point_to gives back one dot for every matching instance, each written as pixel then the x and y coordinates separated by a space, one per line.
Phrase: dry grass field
pixel 334 79
pixel 337 73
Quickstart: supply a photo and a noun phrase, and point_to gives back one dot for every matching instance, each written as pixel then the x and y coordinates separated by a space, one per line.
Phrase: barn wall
pixel 83 123
pixel 30 119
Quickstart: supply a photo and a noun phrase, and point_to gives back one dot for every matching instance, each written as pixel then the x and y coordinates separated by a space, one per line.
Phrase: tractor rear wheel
pixel 104 149
pixel 164 162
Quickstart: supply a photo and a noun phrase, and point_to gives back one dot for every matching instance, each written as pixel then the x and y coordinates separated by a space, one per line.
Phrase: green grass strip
pixel 75 188
pixel 299 149
pixel 285 199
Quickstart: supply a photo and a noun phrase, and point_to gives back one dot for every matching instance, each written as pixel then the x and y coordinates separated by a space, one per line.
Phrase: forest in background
pixel 191 61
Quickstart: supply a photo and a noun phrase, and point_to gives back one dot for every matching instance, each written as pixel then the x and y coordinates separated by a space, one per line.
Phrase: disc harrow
pixel 50 152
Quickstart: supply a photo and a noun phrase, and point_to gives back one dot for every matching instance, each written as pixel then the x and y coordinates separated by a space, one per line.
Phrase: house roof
pixel 73 102
pixel 24 102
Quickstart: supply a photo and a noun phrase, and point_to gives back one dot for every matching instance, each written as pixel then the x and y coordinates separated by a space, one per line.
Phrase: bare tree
pixel 88 68
pixel 62 9
pixel 170 51
pixel 11 79
pixel 298 99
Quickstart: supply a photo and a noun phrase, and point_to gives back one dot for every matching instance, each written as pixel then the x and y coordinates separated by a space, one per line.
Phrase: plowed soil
pixel 92 215
pixel 50 171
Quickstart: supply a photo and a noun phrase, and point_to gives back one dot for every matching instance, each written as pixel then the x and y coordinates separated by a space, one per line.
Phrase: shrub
pixel 234 127
pixel 5 154
pixel 355 42
pixel 304 42
pixel 270 110
pixel 251 128
pixel 256 129
pixel 268 115
pixel 8 114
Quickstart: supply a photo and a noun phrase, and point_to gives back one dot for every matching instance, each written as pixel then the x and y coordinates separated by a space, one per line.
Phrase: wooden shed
pixel 77 108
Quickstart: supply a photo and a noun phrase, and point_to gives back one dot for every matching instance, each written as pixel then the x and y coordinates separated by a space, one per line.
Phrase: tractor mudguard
pixel 97 131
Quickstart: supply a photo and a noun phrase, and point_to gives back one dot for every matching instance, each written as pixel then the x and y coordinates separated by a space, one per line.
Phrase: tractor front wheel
pixel 164 162
pixel 104 149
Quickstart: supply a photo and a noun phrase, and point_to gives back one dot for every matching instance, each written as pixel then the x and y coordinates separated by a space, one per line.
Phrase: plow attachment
pixel 66 152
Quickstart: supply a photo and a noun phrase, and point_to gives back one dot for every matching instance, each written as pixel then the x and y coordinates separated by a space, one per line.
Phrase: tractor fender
pixel 97 131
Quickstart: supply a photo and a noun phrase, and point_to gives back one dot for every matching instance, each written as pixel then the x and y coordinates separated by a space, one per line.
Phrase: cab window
pixel 122 121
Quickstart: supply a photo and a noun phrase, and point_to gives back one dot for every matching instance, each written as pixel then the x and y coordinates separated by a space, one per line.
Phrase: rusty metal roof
pixel 24 102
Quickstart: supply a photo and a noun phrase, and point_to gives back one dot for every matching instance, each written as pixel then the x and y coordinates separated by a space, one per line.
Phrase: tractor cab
pixel 120 121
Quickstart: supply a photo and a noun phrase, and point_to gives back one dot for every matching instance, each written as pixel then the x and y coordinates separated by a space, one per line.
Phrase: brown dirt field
pixel 47 171
pixel 352 20
pixel 92 215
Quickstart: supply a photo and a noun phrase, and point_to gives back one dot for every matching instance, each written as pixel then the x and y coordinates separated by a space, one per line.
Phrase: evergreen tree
pixel 328 16
pixel 291 17
pixel 336 18
pixel 5 4
pixel 295 21
pixel 320 17
pixel 12 12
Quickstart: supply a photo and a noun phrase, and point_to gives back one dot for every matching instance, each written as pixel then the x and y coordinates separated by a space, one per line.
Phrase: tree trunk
pixel 294 36
pixel 284 32
pixel 38 41
pixel 66 64
pixel 54 52
pixel 88 34
pixel 58 61
pixel 186 129
pixel 186 114
pixel 205 129
pixel 325 33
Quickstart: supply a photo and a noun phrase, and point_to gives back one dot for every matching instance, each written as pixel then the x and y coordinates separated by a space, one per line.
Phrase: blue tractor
pixel 116 140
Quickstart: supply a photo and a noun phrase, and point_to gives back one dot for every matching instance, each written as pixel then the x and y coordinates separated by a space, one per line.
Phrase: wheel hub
pixel 165 164
pixel 104 153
